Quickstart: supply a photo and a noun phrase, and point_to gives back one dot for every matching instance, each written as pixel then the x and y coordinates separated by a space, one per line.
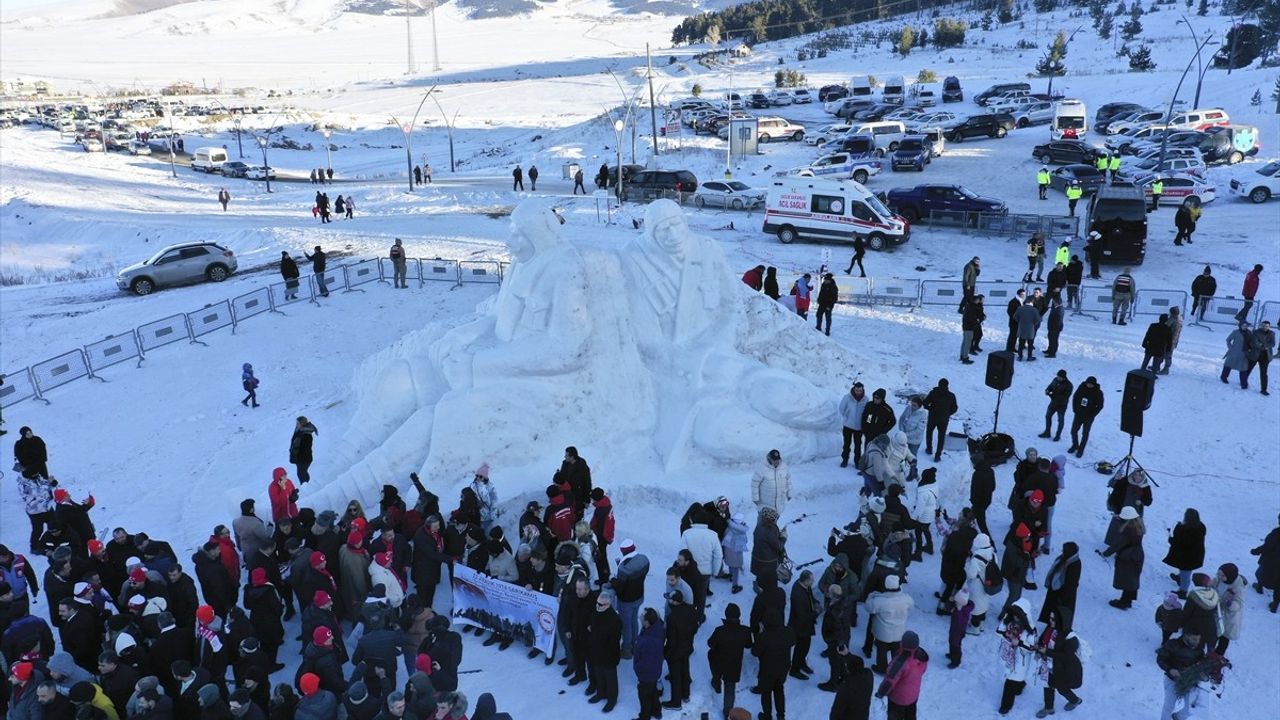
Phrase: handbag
pixel 785 570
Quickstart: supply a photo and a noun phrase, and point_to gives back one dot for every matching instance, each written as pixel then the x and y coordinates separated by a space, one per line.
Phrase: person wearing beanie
pixel 889 611
pixel 976 572
pixel 941 405
pixel 771 483
pixel 878 417
pixel 1230 588
pixel 602 526
pixel 1126 544
pixel 1169 615
pixel 768 547
pixel 961 612
pixel 903 677
pixel 283 494
pixel 321 660
pixel 353 575
pixel 1018 651
pixel 1059 393
pixel 317 701
pixel 24 702
pixel 357 703
pixel 853 696
pixel 725 648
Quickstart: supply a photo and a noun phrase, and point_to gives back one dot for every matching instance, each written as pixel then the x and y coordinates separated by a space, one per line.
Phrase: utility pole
pixel 653 109
pixel 435 39
pixel 408 36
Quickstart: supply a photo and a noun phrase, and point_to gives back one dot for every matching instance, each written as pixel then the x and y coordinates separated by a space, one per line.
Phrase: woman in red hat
pixel 284 496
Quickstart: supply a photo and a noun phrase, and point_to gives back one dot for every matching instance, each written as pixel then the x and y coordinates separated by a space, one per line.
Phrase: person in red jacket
pixel 284 496
pixel 902 679
pixel 1250 289
pixel 602 526
pixel 754 278
pixel 227 553
pixel 558 517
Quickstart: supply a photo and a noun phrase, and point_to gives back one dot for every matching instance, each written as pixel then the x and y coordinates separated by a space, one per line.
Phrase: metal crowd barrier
pixel 210 318
pixel 112 350
pixel 1158 302
pixel 1020 224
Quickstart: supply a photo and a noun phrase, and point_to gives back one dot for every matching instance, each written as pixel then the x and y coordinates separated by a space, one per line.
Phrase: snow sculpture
pixel 649 353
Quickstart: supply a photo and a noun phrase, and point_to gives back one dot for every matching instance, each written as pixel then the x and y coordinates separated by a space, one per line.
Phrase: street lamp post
pixel 618 125
pixel 239 145
pixel 1195 39
pixel 266 168
pixel 448 127
pixel 407 129
pixel 1164 136
pixel 328 155
pixel 173 166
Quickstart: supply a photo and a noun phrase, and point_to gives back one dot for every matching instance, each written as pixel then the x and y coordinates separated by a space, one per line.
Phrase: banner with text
pixel 511 610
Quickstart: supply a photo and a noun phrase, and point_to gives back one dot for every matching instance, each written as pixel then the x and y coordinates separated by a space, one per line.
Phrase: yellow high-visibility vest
pixel 1157 187
pixel 1114 164
pixel 1042 177
pixel 1101 163
pixel 1074 192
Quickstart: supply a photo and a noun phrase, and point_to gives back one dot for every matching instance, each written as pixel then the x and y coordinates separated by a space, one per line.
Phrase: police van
pixel 841 165
pixel 819 208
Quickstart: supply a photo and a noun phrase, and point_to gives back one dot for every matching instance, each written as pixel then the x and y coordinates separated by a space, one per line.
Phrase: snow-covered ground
pixel 181 456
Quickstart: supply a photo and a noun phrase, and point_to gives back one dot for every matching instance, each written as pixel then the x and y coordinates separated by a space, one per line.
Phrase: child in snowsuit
pixel 250 384
pixel 963 610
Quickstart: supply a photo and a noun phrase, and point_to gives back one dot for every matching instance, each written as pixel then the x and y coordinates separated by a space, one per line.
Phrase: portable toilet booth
pixel 744 135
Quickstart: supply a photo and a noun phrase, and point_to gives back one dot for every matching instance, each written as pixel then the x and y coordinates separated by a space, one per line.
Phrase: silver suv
pixel 176 265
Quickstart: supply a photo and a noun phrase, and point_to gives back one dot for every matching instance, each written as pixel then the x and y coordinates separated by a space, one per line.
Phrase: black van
pixel 860 146
pixel 951 90
pixel 1119 214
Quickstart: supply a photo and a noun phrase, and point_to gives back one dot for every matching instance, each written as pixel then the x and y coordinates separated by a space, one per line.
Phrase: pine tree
pixel 1133 26
pixel 906 40
pixel 1203 9
pixel 1140 59
pixel 1121 9
pixel 1275 91
pixel 1051 63
pixel 1104 30
pixel 713 34
pixel 1006 15
pixel 986 20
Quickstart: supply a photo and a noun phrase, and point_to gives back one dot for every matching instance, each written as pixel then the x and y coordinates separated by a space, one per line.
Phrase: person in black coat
pixel 1054 322
pixel 828 295
pixel 578 602
pixel 941 404
pixel 1015 304
pixel 215 584
pixel 955 553
pixel 300 443
pixel 171 645
pixel 80 633
pixel 1067 674
pixel 577 473
pixel 803 623
pixel 265 607
pixel 1061 583
pixel 181 596
pixel 1156 343
pixel 1059 394
pixel 31 453
pixel 187 702
pixel 878 417
pixel 116 679
pixel 604 650
pixel 974 314
pixel 725 648
pixel 1086 404
pixel 682 625
pixel 773 648
pixel 1203 288
pixel 981 487
pixel 853 697
pixel 1186 549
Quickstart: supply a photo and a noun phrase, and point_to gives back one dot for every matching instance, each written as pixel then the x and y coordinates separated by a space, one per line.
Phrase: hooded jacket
pixel 771 486
pixel 889 610
pixel 1200 614
pixel 321 705
pixel 647 658
pixel 1231 605
pixel 975 569
pixel 912 422
pixel 704 545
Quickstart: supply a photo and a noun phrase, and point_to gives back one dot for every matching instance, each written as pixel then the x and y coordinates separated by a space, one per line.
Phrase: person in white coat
pixel 488 497
pixel 1017 651
pixel 924 511
pixel 889 611
pixel 851 407
pixel 771 483
pixel 912 422
pixel 1230 586
pixel 975 570
pixel 703 543
pixel 380 573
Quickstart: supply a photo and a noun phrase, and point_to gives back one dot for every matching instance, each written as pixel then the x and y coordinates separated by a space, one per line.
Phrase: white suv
pixel 776 128
pixel 1259 186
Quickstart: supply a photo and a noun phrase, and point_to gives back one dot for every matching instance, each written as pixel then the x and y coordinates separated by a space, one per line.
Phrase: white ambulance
pixel 818 208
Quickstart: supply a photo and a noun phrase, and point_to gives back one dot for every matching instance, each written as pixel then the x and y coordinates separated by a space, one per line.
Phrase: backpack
pixel 992 580
pixel 607 531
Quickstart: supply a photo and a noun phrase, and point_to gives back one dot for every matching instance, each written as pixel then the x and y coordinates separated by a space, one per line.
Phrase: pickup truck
pixel 917 202
pixel 839 166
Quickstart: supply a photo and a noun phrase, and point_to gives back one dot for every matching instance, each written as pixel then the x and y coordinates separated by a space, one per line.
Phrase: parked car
pixel 780 98
pixel 875 113
pixel 951 90
pixel 651 184
pixel 728 194
pixel 1113 109
pixel 92 145
pixel 1136 121
pixel 1068 152
pixel 137 147
pixel 993 125
pixel 827 133
pixel 903 115
pixel 828 93
pixel 260 172
pixel 1102 128
pixel 801 96
pixel 1135 172
pixel 758 100
pixel 851 106
pixel 917 202
pixel 1260 185
pixel 913 153
pixel 1036 113
pixel 1229 144
pixel 1010 104
pixel 1120 142
pixel 860 146
pixel 1178 188
pixel 888 133
pixel 1199 119
pixel 235 169
pixel 1088 177
pixel 942 119
pixel 769 129
pixel 839 166
pixel 627 172
pixel 176 265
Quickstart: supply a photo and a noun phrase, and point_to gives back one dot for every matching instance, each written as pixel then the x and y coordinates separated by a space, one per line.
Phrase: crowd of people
pixel 132 631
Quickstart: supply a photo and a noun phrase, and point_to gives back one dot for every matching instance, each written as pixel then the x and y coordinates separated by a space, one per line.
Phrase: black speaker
pixel 1139 389
pixel 999 370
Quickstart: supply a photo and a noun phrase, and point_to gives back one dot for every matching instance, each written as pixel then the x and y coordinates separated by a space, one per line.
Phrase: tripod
pixel 995 426
pixel 1127 464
